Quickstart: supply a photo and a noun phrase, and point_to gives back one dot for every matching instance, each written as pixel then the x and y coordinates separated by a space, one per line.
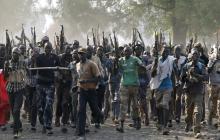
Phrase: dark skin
pixel 89 52
pixel 15 59
pixel 23 50
pixel 48 49
pixel 83 58
pixel 195 59
pixel 165 54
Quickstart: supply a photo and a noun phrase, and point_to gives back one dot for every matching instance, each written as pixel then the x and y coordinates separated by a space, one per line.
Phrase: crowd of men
pixel 114 82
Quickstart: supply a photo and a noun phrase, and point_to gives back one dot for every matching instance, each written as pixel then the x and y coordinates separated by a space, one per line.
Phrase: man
pixel 178 87
pixel 161 72
pixel 2 56
pixel 45 87
pixel 214 82
pixel 74 88
pixel 144 80
pixel 15 74
pixel 128 65
pixel 31 87
pixel 63 90
pixel 114 78
pixel 89 76
pixel 193 76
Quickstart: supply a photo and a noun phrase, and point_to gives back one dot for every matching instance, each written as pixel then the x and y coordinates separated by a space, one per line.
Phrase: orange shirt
pixel 86 71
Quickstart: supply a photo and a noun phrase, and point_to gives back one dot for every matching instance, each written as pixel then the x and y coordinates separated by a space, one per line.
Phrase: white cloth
pixel 164 69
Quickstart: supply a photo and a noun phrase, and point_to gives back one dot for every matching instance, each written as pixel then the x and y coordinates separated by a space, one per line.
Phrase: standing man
pixel 15 74
pixel 45 87
pixel 161 72
pixel 214 82
pixel 193 76
pixel 89 76
pixel 179 62
pixel 129 65
pixel 144 81
pixel 63 90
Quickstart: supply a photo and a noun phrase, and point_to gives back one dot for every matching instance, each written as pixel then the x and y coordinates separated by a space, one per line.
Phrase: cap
pixel 16 50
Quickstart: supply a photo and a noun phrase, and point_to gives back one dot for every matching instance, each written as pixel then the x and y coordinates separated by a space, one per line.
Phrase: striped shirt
pixel 17 76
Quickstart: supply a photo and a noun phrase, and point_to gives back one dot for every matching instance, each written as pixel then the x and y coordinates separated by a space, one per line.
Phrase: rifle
pixel 7 47
pixel 87 40
pixel 62 39
pixel 94 39
pixel 116 45
pixel 23 37
pixel 170 41
pixel 140 38
pixel 156 45
pixel 12 40
pixel 33 43
pixel 98 39
pixel 57 42
pixel 217 43
pixel 112 44
pixel 103 39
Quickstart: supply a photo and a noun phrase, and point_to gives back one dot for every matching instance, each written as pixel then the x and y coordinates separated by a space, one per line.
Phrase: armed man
pixel 15 74
pixel 161 72
pixel 46 87
pixel 63 90
pixel 128 65
pixel 214 82
pixel 193 76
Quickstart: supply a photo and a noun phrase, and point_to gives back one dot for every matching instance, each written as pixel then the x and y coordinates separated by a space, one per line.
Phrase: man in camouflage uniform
pixel 46 87
pixel 128 65
pixel 214 82
pixel 193 76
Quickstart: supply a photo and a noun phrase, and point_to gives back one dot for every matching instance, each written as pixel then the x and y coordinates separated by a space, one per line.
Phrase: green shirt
pixel 129 69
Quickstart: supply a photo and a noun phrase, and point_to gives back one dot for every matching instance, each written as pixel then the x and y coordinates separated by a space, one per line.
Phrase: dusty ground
pixel 107 132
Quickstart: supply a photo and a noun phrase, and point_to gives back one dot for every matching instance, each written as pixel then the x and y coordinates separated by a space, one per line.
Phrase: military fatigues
pixel 194 88
pixel 46 88
pixel 129 85
pixel 142 91
pixel 74 93
pixel 214 96
pixel 63 91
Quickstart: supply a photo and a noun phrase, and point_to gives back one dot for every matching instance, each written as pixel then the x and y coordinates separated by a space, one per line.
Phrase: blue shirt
pixel 166 84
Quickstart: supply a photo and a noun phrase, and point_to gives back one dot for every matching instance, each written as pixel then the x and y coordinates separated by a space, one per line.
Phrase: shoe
pixel 73 125
pixel 64 130
pixel 57 122
pixel 170 124
pixel 146 122
pixel 166 132
pixel 177 120
pixel 3 128
pixel 44 130
pixel 120 128
pixel 138 125
pixel 188 128
pixel 16 135
pixel 97 125
pixel 33 128
pixel 198 135
pixel 50 132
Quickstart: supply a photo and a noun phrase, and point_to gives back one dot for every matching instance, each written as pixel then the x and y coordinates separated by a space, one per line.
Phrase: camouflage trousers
pixel 45 100
pixel 214 102
pixel 163 98
pixel 129 92
pixel 194 110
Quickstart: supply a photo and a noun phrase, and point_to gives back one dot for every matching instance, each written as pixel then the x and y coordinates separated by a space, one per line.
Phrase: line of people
pixel 116 82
